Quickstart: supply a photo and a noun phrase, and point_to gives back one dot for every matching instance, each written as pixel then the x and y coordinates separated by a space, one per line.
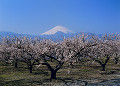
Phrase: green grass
pixel 10 76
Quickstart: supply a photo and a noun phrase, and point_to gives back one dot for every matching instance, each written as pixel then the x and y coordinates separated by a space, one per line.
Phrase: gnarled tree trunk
pixel 103 65
pixel 30 68
pixel 53 71
pixel 16 63
pixel 53 74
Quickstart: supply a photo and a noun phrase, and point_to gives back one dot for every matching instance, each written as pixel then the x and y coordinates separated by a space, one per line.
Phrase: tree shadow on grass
pixel 58 81
pixel 64 82
pixel 40 72
pixel 13 83
pixel 95 67
pixel 21 82
pixel 1 81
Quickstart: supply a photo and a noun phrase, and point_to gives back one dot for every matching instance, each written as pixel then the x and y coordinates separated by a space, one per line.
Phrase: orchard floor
pixel 113 82
pixel 90 73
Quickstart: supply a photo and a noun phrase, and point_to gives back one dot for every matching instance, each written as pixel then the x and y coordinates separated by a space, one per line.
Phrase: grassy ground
pixel 10 76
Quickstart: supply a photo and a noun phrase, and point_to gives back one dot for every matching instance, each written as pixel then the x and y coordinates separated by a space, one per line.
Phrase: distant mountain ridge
pixel 11 34
pixel 56 33
pixel 3 33
pixel 55 37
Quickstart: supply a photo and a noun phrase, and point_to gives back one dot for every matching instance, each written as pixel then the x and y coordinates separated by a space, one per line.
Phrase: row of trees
pixel 36 51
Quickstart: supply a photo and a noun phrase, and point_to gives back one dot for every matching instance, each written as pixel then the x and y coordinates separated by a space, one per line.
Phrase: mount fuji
pixel 57 33
pixel 56 30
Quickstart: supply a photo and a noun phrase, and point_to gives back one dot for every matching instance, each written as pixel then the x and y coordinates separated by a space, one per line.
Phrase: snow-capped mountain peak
pixel 57 29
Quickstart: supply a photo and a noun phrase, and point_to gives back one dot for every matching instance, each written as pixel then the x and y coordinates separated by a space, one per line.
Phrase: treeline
pixel 36 51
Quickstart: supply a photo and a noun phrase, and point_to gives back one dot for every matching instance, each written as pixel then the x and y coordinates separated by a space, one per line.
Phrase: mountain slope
pixel 57 29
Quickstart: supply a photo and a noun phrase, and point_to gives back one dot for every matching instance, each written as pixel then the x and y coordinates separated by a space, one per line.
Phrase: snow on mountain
pixel 57 29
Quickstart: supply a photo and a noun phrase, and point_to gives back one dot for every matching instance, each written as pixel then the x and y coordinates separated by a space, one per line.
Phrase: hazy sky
pixel 38 16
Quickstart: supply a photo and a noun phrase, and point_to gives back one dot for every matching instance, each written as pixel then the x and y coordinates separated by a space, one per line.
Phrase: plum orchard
pixel 70 51
pixel 107 47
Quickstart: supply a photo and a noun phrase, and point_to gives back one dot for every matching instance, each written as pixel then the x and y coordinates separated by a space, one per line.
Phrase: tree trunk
pixel 53 71
pixel 116 60
pixel 103 67
pixel 16 63
pixel 53 74
pixel 51 60
pixel 71 64
pixel 30 68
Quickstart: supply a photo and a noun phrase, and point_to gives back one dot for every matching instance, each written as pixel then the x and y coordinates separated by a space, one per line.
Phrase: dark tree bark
pixel 53 74
pixel 51 60
pixel 53 71
pixel 103 65
pixel 116 60
pixel 71 64
pixel 30 64
pixel 16 63
pixel 30 68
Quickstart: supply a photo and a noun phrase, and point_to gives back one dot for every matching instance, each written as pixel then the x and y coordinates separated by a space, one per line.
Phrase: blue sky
pixel 38 16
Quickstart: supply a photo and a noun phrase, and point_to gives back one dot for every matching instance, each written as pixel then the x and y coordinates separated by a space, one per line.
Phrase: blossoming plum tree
pixel 105 48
